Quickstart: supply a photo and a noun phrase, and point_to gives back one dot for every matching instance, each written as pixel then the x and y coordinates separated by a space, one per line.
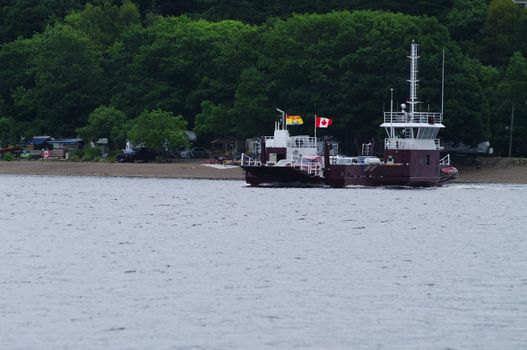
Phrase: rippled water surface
pixel 124 263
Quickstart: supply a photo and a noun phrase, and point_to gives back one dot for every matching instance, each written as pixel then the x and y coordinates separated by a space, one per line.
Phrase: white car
pixel 283 162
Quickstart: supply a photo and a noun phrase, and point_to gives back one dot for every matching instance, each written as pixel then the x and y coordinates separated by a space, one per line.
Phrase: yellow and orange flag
pixel 294 120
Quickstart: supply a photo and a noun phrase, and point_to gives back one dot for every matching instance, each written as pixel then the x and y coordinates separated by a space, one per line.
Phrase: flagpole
pixel 315 125
pixel 443 85
pixel 283 114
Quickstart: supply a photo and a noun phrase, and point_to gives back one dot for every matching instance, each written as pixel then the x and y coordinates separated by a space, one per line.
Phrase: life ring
pixel 450 171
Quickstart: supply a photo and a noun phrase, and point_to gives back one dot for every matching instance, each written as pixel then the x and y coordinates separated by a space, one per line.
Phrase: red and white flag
pixel 323 122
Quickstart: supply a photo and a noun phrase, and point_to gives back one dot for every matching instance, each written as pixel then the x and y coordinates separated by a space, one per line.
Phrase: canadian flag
pixel 323 122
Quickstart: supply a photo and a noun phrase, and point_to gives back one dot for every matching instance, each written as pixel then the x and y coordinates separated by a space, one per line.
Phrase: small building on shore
pixel 62 148
pixel 47 147
pixel 34 147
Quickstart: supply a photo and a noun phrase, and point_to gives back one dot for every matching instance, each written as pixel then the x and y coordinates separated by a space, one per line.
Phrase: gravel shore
pixel 494 172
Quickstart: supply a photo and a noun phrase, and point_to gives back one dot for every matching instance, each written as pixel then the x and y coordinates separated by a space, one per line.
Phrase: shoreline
pixel 504 172
pixel 180 170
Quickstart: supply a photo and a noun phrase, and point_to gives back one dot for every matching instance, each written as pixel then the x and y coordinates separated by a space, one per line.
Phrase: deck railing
pixel 248 161
pixel 312 168
pixel 445 161
pixel 398 143
pixel 418 117
pixel 302 142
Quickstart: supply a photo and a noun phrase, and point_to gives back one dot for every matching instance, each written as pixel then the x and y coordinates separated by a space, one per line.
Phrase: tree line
pixel 112 69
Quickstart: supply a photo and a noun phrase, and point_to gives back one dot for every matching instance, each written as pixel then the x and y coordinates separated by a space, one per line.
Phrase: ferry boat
pixel 285 159
pixel 411 153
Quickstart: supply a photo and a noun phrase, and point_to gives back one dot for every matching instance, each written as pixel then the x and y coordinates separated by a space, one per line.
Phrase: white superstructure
pixel 412 129
pixel 283 146
pixel 297 146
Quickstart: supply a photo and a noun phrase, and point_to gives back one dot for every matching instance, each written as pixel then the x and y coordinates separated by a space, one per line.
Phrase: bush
pixel 158 129
pixel 8 156
pixel 112 155
pixel 92 154
pixel 76 155
pixel 86 154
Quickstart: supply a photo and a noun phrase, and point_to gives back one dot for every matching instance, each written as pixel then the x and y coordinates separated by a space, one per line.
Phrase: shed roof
pixel 38 140
pixel 66 141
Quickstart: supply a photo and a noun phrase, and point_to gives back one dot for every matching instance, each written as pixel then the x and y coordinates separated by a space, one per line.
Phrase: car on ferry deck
pixel 284 162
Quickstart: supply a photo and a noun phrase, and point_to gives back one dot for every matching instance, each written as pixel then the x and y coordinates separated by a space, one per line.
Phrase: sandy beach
pixel 182 170
pixel 492 170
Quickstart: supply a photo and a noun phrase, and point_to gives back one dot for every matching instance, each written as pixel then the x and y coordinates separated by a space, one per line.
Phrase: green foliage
pixel 179 64
pixel 91 154
pixel 74 59
pixel 513 86
pixel 159 130
pixel 8 156
pixel 7 132
pixel 110 157
pixel 104 23
pixel 88 154
pixel 23 18
pixel 259 11
pixel 343 65
pixel 504 32
pixel 58 79
pixel 106 122
pixel 15 61
pixel 213 118
pixel 465 23
pixel 512 89
pixel 252 106
pixel 76 155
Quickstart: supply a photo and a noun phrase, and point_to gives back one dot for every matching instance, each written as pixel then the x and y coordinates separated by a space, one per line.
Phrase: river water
pixel 130 263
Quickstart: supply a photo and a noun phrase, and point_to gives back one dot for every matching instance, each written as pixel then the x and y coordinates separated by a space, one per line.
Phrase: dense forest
pixel 118 69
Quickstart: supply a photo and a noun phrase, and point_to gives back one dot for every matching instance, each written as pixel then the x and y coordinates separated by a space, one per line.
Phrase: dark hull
pixel 413 168
pixel 258 175
pixel 380 175
pixel 416 168
pixel 355 175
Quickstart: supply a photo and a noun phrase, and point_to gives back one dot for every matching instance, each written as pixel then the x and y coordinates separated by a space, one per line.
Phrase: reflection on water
pixel 122 263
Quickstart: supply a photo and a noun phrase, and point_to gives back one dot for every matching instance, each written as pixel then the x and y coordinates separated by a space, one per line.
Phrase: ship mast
pixel 413 83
